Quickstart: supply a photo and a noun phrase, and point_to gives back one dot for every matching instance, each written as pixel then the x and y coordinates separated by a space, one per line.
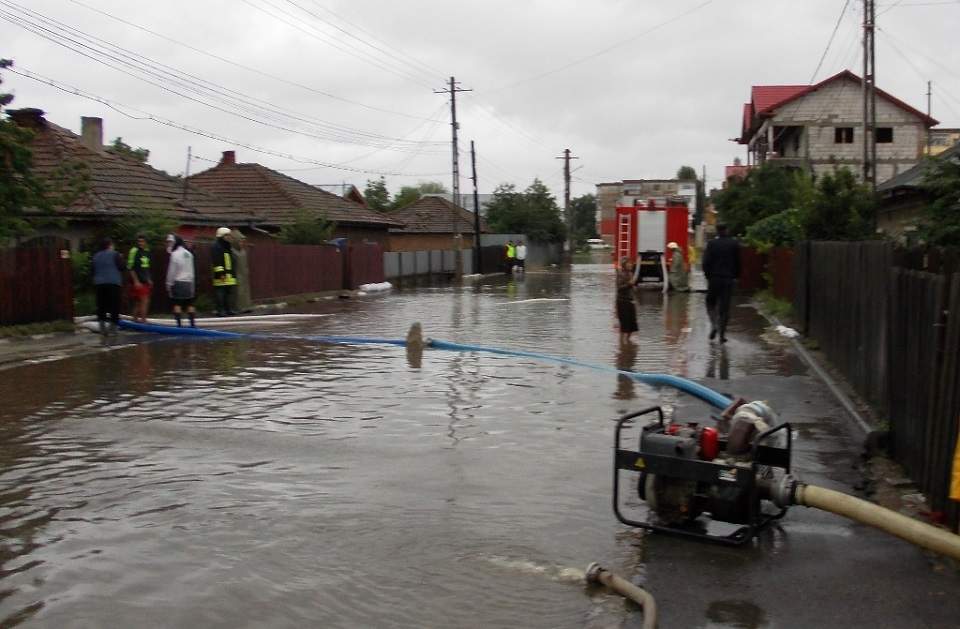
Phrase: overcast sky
pixel 635 88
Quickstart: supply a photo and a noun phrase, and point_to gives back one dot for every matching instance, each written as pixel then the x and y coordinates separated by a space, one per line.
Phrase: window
pixel 884 135
pixel 843 135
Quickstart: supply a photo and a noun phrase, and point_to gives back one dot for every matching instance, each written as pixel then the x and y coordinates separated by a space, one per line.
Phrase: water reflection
pixel 626 359
pixel 718 366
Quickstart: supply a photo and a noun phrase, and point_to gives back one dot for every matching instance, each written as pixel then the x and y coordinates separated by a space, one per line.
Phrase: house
pixel 117 185
pixel 278 200
pixel 903 200
pixel 430 223
pixel 629 192
pixel 817 128
pixel 942 139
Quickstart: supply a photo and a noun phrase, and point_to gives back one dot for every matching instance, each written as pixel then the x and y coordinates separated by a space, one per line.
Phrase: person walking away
pixel 181 283
pixel 521 254
pixel 626 309
pixel 244 300
pixel 138 263
pixel 511 256
pixel 107 269
pixel 678 268
pixel 224 273
pixel 721 266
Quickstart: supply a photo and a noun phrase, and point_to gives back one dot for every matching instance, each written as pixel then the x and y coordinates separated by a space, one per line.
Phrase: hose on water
pixel 598 574
pixel 919 533
pixel 705 394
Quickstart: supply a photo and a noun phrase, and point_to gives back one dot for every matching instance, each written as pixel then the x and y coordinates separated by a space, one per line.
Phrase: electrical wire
pixel 836 27
pixel 125 109
pixel 242 66
pixel 110 55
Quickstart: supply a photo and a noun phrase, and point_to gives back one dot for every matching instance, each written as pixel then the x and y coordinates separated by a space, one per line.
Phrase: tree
pixel 842 208
pixel 533 212
pixel 122 148
pixel 687 173
pixel 766 190
pixel 307 228
pixel 153 224
pixel 583 219
pixel 942 184
pixel 409 194
pixel 777 230
pixel 26 199
pixel 377 195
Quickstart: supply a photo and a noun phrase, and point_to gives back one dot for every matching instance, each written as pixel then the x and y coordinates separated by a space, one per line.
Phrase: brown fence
pixel 36 283
pixel 364 265
pixel 780 265
pixel 894 333
pixel 283 270
pixel 752 267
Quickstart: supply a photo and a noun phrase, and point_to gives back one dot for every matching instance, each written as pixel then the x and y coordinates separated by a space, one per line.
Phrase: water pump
pixel 728 469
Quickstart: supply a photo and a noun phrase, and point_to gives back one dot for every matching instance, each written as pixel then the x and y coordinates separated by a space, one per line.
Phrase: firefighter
pixel 138 263
pixel 224 273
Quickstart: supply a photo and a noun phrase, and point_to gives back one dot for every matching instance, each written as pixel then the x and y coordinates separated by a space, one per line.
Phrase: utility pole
pixel 452 89
pixel 566 157
pixel 478 257
pixel 869 97
pixel 929 94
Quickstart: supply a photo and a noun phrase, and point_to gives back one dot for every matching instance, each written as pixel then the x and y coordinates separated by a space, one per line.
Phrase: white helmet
pixel 223 231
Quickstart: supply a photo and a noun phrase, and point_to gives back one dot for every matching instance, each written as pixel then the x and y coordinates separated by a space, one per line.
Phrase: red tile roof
pixel 119 185
pixel 766 99
pixel 435 215
pixel 278 198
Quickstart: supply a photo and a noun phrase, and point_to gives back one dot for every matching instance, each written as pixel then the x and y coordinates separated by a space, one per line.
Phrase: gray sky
pixel 634 88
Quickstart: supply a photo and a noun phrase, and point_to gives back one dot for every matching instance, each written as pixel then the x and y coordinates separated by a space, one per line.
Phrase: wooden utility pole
pixel 452 89
pixel 566 157
pixel 929 94
pixel 869 97
pixel 478 256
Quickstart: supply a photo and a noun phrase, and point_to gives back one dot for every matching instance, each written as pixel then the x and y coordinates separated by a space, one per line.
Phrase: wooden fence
pixel 36 283
pixel 894 333
pixel 364 265
pixel 283 270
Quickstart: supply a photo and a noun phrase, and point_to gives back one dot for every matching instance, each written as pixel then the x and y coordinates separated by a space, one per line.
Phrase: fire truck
pixel 643 231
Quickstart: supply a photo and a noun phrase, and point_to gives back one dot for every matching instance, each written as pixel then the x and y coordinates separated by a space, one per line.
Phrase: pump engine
pixel 725 469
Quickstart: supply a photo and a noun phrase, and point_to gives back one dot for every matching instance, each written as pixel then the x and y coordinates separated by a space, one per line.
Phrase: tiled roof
pixel 277 198
pixel 434 215
pixel 119 185
pixel 766 97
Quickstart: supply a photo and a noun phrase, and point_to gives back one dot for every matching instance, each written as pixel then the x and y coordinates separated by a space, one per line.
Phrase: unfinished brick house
pixel 818 128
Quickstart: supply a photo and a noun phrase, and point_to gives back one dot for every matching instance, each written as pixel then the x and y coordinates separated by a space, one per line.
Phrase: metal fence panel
pixel 423 262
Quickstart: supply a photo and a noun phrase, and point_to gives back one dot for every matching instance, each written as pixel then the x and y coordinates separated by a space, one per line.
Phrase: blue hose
pixel 711 397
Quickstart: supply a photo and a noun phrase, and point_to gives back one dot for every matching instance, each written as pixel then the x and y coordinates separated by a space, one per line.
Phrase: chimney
pixel 91 133
pixel 28 118
pixel 229 158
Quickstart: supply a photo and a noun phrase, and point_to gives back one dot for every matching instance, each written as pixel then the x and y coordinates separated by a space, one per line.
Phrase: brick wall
pixel 426 242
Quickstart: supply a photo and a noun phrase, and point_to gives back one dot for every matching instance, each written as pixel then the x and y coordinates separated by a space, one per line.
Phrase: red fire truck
pixel 643 231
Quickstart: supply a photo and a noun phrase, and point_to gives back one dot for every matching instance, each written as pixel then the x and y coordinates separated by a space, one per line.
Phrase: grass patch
pixel 29 329
pixel 773 305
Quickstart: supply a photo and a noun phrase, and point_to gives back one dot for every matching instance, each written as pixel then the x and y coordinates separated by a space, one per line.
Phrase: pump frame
pixel 700 471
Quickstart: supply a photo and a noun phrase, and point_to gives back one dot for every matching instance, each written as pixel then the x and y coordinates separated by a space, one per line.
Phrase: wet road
pixel 289 484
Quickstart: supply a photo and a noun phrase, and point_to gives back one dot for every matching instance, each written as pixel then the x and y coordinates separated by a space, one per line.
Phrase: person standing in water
pixel 138 262
pixel 626 309
pixel 181 283
pixel 108 271
pixel 224 273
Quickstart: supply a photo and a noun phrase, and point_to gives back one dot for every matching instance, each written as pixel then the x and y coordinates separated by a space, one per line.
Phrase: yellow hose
pixel 930 537
pixel 596 574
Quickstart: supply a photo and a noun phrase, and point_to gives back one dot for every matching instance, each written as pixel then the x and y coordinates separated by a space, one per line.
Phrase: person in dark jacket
pixel 224 272
pixel 626 308
pixel 107 268
pixel 721 265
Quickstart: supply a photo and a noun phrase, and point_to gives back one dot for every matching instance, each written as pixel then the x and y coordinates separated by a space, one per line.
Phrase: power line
pixel 603 51
pixel 243 66
pixel 121 109
pixel 191 83
pixel 843 12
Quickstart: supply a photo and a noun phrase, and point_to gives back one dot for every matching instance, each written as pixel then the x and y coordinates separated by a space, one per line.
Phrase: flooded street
pixel 289 484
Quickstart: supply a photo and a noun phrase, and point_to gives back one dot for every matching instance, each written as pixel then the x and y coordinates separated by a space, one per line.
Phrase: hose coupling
pixel 783 492
pixel 593 572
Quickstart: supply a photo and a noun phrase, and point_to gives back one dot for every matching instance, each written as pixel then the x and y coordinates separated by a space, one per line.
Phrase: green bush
pixel 781 229
pixel 308 228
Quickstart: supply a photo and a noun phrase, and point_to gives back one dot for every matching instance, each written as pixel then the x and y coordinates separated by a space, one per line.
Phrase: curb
pixel 827 379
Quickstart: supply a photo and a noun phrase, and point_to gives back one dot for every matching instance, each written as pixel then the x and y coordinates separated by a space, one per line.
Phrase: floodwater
pixel 290 484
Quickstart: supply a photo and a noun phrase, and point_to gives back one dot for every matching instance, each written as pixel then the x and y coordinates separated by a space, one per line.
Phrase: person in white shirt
pixel 521 256
pixel 181 284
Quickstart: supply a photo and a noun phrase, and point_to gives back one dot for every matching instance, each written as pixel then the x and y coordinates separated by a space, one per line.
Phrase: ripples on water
pixel 237 483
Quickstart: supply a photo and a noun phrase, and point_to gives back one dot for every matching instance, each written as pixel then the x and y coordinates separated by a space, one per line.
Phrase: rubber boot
pixel 102 325
pixel 179 319
pixel 111 331
pixel 193 319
